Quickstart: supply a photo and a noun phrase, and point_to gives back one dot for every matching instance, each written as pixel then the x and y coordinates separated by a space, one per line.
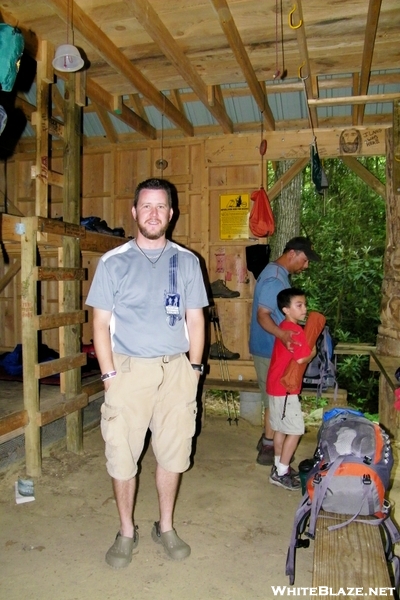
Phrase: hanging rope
pixel 261 154
pixel 279 42
pixel 310 121
pixel 161 163
pixel 277 71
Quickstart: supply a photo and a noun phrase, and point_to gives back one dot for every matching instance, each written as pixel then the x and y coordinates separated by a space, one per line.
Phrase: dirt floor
pixel 236 522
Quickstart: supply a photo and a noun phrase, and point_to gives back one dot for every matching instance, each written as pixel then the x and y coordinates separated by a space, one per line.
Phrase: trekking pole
pixel 223 366
pixel 220 344
pixel 236 419
pixel 229 419
pixel 222 352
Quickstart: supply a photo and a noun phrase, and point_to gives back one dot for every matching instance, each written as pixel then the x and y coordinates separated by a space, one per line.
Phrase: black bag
pixel 257 258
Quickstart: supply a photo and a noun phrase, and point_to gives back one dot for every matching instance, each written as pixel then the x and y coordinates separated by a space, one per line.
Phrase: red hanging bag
pixel 261 221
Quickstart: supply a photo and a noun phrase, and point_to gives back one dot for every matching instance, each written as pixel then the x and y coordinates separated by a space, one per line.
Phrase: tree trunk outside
pixel 286 208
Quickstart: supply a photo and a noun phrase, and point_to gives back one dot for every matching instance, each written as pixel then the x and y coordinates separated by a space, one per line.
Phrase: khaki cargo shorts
pixel 261 365
pixel 293 421
pixel 149 393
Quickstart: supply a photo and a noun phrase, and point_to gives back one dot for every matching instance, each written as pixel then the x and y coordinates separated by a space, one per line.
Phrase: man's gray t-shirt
pixel 148 302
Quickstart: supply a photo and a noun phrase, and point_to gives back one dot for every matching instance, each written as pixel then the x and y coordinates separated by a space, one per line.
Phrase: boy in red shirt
pixel 286 417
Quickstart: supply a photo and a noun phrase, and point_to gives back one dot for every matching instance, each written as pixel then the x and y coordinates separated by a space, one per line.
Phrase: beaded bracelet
pixel 108 375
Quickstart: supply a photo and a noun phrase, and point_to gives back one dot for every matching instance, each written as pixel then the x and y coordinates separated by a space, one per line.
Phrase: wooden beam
pixel 105 120
pixel 13 421
pixel 235 42
pixel 370 179
pixel 287 177
pixel 151 22
pixel 58 101
pixel 59 365
pixel 29 294
pixel 115 58
pixel 11 273
pixel 396 146
pixel 105 100
pixel 355 88
pixel 42 133
pixel 62 319
pixel 305 71
pixel 176 99
pixel 343 100
pixel 27 108
pixel 374 10
pixel 136 104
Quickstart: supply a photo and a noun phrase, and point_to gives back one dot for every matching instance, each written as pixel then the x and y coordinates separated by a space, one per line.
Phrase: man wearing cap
pixel 265 319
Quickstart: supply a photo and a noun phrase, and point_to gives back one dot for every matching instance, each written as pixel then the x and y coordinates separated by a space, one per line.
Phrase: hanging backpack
pixel 350 476
pixel 261 220
pixel 11 48
pixel 321 371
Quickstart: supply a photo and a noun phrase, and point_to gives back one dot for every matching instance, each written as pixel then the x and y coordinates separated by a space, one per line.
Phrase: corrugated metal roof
pixel 242 109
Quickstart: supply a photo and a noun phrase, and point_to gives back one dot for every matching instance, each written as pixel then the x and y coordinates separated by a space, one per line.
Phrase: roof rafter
pixel 151 22
pixel 309 81
pixel 98 95
pixel 114 57
pixel 105 120
pixel 374 10
pixel 235 42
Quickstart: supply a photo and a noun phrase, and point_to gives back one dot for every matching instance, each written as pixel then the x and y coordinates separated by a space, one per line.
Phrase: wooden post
pixel 387 343
pixel 43 79
pixel 70 291
pixel 30 346
pixel 396 146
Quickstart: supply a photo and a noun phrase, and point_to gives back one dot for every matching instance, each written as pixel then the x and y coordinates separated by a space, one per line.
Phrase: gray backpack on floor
pixel 350 476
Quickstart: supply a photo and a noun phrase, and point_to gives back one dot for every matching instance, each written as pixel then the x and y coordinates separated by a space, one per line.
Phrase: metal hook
pixel 299 72
pixel 300 23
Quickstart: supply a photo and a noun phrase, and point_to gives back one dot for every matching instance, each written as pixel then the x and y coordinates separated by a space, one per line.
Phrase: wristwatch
pixel 198 368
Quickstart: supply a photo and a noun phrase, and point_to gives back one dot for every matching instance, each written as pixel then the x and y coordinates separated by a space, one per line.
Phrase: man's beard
pixel 152 235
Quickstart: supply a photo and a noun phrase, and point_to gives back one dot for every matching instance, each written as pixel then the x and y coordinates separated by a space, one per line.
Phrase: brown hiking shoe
pixel 220 290
pixel 220 351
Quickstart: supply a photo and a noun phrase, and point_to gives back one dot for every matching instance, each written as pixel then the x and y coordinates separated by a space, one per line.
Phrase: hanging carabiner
pixel 299 72
pixel 300 23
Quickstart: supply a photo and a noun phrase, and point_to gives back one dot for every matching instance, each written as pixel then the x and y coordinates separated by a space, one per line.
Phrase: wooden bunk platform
pixel 34 405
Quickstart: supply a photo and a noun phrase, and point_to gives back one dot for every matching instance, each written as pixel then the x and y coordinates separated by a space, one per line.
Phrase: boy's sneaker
pixel 286 481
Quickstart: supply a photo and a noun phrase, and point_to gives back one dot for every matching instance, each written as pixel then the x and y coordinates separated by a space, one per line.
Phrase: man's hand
pixel 266 321
pixel 288 339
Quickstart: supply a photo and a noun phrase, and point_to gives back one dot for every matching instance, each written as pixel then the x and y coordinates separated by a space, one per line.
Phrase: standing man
pixel 265 319
pixel 148 297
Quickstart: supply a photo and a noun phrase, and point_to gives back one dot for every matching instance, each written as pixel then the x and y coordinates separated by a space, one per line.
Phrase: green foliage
pixel 347 226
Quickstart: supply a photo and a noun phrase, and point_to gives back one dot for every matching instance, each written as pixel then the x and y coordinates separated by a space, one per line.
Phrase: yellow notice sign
pixel 234 216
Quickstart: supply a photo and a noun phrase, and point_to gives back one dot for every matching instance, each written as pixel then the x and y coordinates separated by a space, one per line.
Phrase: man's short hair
pixel 284 298
pixel 154 184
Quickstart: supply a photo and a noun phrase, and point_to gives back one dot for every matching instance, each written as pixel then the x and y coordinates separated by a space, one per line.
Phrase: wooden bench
pixel 211 383
pixel 250 409
pixel 352 556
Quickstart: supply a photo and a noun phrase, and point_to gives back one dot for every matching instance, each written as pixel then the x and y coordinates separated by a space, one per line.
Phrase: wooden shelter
pixel 186 91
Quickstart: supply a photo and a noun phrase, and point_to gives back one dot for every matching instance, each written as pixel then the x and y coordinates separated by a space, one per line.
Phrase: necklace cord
pixel 153 262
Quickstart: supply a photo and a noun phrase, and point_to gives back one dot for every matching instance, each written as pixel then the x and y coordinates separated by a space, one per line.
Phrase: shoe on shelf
pixel 219 289
pixel 286 481
pixel 120 553
pixel 220 351
pixel 174 547
pixel 266 456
